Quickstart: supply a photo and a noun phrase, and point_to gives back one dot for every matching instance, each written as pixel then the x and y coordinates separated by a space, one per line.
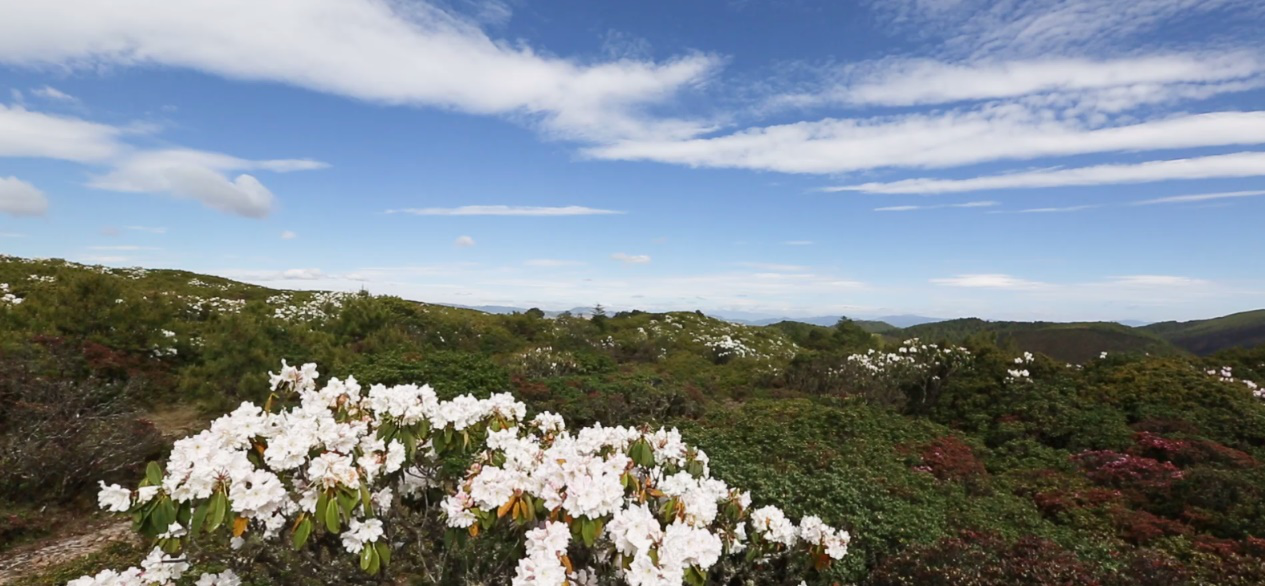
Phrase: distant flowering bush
pixel 1226 375
pixel 8 298
pixel 340 465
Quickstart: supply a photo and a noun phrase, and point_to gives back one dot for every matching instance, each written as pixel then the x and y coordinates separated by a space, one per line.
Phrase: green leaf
pixel 588 531
pixel 154 474
pixel 347 502
pixel 366 558
pixel 302 533
pixel 366 500
pixel 219 509
pixel 384 552
pixel 199 518
pixel 375 563
pixel 332 522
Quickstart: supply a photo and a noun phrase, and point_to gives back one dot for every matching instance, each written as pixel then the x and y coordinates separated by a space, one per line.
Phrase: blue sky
pixel 1046 159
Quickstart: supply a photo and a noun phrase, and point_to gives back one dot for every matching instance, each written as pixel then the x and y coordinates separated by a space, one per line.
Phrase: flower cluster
pixel 321 306
pixel 8 298
pixel 1226 375
pixel 911 360
pixel 199 305
pixel 336 459
pixel 42 279
pixel 544 361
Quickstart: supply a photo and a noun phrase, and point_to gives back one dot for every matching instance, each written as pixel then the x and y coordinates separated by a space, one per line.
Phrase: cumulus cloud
pixel 201 176
pixel 19 198
pixel 463 242
pixel 1245 164
pixel 631 259
pixel 384 52
pixel 24 133
pixel 504 210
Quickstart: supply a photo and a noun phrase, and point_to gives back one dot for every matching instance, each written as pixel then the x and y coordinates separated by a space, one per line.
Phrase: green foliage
pixel 906 465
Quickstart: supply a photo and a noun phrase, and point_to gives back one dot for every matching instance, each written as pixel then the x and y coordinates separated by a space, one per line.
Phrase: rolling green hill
pixel 1068 342
pixel 1206 336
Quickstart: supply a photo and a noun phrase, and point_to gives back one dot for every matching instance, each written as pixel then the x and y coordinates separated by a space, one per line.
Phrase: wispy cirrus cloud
pixel 773 267
pixel 1107 84
pixel 631 259
pixel 936 140
pixel 1199 197
pixel 1243 164
pixel 552 262
pixel 505 210
pixel 914 208
pixel 989 281
pixel 49 92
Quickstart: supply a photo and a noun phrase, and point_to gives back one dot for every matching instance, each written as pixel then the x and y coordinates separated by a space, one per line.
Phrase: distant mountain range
pixel 877 324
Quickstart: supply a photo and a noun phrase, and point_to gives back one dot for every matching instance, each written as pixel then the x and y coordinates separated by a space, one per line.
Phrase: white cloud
pixel 201 176
pixel 632 259
pixel 1051 210
pixel 503 210
pixel 288 235
pixel 464 241
pixel 911 208
pixel 49 92
pixel 1156 281
pixel 384 52
pixel 150 229
pixel 798 242
pixel 1108 84
pixel 989 281
pixel 123 247
pixel 1042 27
pixel 11 235
pixel 104 259
pixel 1244 164
pixel 774 267
pixel 24 133
pixel 935 140
pixel 552 262
pixel 19 198
pixel 1198 197
pixel 265 276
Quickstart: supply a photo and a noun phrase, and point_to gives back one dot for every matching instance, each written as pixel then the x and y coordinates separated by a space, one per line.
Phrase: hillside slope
pixel 1206 336
pixel 1068 342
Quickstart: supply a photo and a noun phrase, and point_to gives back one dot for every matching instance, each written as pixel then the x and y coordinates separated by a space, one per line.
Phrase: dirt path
pixel 32 558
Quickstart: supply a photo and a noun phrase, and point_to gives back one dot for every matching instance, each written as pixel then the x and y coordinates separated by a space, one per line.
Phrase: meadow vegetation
pixel 956 458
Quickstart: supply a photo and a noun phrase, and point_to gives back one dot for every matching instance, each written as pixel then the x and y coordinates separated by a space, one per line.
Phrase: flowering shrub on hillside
pixel 337 465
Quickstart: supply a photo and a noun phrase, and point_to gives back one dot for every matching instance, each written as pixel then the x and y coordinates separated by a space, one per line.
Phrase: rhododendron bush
pixel 341 469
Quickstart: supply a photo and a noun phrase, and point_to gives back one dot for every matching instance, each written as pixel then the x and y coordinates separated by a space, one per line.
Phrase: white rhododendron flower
pixel 334 459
